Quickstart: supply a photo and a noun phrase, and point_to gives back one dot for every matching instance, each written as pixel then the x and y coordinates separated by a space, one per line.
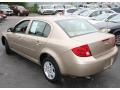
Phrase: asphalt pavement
pixel 18 72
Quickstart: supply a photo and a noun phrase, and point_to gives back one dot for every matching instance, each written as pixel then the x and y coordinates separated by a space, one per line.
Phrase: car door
pixel 36 38
pixel 16 38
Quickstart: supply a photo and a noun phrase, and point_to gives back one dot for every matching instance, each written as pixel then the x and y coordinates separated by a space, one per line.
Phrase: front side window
pixel 21 27
pixel 40 28
pixel 76 27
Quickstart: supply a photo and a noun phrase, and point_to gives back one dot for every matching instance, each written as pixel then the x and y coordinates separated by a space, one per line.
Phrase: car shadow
pixel 100 80
pixel 80 82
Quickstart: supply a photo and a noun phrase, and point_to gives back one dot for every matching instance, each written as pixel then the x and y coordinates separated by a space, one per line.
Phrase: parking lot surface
pixel 18 72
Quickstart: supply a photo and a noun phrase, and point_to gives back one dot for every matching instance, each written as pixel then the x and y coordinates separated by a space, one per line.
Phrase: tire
pixel 53 13
pixel 117 37
pixel 51 70
pixel 39 13
pixel 42 14
pixel 59 13
pixel 18 14
pixel 7 48
pixel 27 14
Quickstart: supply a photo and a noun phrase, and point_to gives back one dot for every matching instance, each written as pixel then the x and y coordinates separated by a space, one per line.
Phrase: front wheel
pixel 18 14
pixel 27 14
pixel 7 48
pixel 51 70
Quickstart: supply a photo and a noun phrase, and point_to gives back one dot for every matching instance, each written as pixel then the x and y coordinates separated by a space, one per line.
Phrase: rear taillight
pixel 82 51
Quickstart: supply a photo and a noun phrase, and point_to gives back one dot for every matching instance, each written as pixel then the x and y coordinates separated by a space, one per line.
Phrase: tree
pixel 15 3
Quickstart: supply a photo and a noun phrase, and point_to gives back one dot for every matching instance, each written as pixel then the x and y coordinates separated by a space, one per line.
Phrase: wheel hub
pixel 49 70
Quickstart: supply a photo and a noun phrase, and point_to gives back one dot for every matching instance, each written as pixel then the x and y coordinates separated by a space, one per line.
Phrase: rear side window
pixel 40 28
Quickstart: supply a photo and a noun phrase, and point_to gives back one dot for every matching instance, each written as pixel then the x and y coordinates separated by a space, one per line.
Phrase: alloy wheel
pixel 49 70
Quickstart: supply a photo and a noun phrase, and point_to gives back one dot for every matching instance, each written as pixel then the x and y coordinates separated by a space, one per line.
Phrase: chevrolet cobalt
pixel 62 45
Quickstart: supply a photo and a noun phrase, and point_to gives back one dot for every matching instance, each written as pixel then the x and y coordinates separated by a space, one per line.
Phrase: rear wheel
pixel 59 13
pixel 51 70
pixel 27 14
pixel 7 48
pixel 40 13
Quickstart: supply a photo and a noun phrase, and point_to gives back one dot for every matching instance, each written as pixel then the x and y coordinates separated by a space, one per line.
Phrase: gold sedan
pixel 62 45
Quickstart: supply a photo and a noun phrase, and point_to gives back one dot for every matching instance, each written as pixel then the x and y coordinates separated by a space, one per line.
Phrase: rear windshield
pixel 76 27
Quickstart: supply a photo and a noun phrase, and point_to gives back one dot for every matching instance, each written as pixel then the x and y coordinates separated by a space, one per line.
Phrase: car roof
pixel 50 18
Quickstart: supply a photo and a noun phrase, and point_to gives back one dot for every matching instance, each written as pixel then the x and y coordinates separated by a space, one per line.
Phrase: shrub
pixel 33 9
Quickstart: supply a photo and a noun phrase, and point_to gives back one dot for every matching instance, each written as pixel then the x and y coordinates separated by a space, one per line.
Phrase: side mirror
pixel 10 30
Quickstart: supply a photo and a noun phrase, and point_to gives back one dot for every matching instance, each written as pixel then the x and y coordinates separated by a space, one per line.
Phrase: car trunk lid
pixel 99 43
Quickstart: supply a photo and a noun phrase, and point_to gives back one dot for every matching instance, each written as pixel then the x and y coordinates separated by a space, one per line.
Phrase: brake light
pixel 82 51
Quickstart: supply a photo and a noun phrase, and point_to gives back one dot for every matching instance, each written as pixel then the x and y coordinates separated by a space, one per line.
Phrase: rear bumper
pixel 89 66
